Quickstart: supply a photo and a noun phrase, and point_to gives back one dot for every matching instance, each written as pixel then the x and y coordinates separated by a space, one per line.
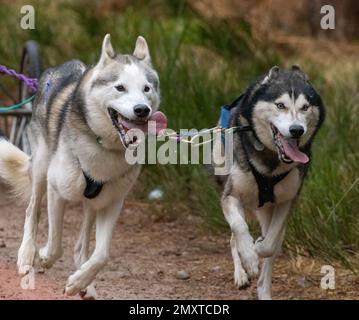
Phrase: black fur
pixel 278 81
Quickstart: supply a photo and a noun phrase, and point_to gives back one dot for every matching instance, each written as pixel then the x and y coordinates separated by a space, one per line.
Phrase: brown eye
pixel 146 89
pixel 280 106
pixel 305 107
pixel 120 88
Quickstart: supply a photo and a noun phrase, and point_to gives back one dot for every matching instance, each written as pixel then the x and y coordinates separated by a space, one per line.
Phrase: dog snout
pixel 141 110
pixel 296 130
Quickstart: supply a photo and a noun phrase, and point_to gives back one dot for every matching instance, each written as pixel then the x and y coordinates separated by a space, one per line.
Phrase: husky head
pixel 285 112
pixel 126 89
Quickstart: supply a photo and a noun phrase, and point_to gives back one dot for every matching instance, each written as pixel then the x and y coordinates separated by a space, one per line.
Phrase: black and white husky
pixel 80 117
pixel 283 112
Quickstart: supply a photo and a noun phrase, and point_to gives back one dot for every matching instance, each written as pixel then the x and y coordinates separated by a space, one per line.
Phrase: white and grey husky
pixel 283 112
pixel 80 116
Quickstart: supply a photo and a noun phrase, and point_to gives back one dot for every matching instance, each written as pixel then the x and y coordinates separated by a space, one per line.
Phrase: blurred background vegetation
pixel 206 53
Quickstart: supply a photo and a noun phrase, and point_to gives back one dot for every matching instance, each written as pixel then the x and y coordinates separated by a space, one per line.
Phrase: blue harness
pixel 225 116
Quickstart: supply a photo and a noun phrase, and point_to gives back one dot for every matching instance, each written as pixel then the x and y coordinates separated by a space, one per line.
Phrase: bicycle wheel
pixel 31 67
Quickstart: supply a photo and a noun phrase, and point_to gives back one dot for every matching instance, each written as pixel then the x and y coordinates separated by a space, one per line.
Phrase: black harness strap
pixel 93 188
pixel 266 185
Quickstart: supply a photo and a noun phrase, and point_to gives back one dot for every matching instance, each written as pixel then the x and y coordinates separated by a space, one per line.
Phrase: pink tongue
pixel 158 117
pixel 292 151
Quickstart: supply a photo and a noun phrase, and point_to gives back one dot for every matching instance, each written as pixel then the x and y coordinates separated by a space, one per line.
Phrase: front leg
pixel 267 247
pixel 273 232
pixel 240 276
pixel 264 285
pixel 243 242
pixel 105 222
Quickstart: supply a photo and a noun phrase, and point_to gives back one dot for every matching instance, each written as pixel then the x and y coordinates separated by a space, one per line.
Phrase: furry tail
pixel 14 169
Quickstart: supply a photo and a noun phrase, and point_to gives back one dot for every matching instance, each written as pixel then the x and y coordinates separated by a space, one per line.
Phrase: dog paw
pixel 47 259
pixel 89 293
pixel 250 262
pixel 77 282
pixel 241 280
pixel 25 258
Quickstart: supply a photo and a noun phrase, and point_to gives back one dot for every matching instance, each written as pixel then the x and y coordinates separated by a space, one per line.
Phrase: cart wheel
pixel 31 67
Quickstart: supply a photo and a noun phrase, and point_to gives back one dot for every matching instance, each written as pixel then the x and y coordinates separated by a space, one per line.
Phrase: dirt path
pixel 146 255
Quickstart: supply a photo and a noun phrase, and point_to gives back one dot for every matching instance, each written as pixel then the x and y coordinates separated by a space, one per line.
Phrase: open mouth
pixel 123 125
pixel 288 148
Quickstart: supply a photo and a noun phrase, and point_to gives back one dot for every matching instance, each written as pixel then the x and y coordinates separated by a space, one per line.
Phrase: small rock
pixel 216 268
pixel 303 282
pixel 155 194
pixel 182 275
pixel 123 274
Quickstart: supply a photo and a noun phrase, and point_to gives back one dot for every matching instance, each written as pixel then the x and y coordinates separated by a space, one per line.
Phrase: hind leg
pixel 53 249
pixel 81 252
pixel 27 250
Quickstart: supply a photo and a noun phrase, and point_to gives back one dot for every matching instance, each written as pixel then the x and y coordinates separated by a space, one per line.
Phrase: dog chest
pixel 66 174
pixel 243 185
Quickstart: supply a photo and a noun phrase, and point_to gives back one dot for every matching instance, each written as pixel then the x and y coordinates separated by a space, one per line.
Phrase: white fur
pixel 134 81
pixel 242 192
pixel 59 173
pixel 267 112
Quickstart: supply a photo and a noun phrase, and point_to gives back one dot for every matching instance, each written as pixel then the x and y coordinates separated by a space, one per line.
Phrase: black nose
pixel 296 130
pixel 141 110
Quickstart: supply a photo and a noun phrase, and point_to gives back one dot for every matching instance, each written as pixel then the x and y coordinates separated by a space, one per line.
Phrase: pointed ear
pixel 272 74
pixel 297 70
pixel 141 51
pixel 107 52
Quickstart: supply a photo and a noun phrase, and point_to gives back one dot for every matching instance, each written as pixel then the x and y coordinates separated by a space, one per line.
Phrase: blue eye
pixel 280 106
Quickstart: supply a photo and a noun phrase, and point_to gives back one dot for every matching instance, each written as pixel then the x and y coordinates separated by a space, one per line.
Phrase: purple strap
pixel 31 83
